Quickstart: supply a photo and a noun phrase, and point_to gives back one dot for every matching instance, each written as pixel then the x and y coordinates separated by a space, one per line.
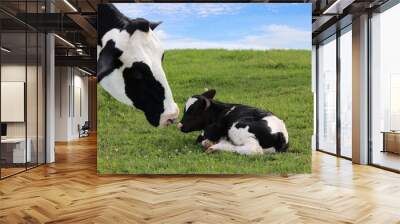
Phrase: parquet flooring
pixel 10 171
pixel 70 191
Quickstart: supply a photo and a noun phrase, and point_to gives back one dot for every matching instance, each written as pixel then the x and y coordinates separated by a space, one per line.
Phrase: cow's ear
pixel 153 25
pixel 209 93
pixel 108 60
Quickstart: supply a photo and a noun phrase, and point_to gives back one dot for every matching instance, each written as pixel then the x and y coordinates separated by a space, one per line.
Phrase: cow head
pixel 129 65
pixel 197 112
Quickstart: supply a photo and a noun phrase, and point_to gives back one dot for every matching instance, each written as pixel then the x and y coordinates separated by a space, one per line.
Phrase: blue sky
pixel 230 26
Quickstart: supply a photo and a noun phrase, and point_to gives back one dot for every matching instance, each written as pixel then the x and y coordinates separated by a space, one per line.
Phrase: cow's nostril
pixel 171 121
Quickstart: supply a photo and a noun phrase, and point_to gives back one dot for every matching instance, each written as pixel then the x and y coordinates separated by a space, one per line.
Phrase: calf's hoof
pixel 210 150
pixel 207 143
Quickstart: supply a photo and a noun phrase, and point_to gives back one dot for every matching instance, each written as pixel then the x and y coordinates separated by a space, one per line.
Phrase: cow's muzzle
pixel 169 118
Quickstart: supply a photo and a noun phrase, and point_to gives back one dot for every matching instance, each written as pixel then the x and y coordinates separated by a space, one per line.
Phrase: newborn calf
pixel 233 127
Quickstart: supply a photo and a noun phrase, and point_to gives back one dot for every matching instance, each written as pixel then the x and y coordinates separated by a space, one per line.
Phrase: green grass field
pixel 277 80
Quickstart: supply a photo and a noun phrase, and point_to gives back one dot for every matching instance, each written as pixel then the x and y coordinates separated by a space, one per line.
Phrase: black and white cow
pixel 129 65
pixel 233 127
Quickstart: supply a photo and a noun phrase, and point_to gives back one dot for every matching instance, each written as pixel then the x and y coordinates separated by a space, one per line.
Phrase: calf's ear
pixel 209 93
pixel 153 25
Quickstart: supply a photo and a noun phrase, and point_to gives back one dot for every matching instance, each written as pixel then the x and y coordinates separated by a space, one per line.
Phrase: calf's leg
pixel 251 147
pixel 222 145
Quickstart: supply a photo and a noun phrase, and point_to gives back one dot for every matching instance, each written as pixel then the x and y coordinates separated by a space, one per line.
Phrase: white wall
pixel 16 72
pixel 70 83
pixel 81 82
pixel 13 101
pixel 61 103
pixel 9 73
pixel 34 124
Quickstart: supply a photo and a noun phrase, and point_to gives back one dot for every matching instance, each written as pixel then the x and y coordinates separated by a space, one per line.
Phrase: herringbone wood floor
pixel 69 191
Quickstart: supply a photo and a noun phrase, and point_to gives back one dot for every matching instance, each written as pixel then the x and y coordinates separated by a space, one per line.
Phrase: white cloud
pixel 284 30
pixel 216 9
pixel 174 9
pixel 268 37
pixel 275 36
pixel 279 36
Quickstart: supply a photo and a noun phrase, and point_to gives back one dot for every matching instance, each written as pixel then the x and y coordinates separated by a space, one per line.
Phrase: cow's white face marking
pixel 114 84
pixel 277 125
pixel 142 47
pixel 190 102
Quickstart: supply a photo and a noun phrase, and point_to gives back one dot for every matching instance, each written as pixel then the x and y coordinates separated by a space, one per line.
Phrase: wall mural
pixel 204 88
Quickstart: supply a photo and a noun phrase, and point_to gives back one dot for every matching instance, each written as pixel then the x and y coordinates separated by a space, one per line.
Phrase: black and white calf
pixel 233 127
pixel 129 65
